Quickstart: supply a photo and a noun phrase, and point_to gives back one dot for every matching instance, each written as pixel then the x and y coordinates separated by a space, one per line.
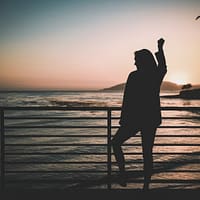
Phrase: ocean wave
pixel 78 103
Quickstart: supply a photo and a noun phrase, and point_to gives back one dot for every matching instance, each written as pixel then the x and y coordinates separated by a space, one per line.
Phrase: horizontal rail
pixel 99 153
pixel 50 136
pixel 88 118
pixel 104 162
pixel 65 118
pixel 98 171
pixel 74 127
pixel 93 136
pixel 51 126
pixel 101 145
pixel 59 171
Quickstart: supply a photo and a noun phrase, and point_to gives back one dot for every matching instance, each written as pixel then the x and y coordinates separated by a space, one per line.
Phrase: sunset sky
pixel 90 44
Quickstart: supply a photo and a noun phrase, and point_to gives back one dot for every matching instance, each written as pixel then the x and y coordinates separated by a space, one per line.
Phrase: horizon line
pixel 75 89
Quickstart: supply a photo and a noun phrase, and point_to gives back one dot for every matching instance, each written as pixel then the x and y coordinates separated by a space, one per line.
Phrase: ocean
pixel 170 167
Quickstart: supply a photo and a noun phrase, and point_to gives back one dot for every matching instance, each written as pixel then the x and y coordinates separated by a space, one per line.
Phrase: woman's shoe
pixel 145 187
pixel 122 180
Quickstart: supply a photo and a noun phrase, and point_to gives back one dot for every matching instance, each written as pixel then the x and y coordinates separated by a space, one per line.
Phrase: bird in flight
pixel 197 17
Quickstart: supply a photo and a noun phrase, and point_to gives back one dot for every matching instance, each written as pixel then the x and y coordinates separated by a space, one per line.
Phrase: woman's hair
pixel 145 60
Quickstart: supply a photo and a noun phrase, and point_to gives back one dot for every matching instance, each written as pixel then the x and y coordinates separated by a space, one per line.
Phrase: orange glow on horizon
pixel 179 78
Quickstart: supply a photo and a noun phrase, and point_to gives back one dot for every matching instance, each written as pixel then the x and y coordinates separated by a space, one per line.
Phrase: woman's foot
pixel 145 187
pixel 122 179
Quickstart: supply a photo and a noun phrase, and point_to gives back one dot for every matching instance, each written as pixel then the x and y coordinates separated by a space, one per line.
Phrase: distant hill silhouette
pixel 115 87
pixel 166 86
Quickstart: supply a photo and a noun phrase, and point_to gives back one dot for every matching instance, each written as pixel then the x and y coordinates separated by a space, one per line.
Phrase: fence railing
pixel 15 156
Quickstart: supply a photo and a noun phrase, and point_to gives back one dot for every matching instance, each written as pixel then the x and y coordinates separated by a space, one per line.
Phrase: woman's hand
pixel 161 42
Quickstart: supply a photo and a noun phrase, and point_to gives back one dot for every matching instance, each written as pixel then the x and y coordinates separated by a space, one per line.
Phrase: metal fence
pixel 7 117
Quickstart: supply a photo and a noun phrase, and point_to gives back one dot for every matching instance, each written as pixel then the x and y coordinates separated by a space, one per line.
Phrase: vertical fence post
pixel 109 167
pixel 2 150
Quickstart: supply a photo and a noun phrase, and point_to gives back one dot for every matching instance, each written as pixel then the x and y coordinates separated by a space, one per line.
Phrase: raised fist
pixel 161 42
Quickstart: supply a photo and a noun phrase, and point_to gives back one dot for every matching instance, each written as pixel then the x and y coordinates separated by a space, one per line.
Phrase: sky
pixel 90 44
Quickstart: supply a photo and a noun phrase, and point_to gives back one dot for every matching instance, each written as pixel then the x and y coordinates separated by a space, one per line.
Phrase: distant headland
pixel 166 86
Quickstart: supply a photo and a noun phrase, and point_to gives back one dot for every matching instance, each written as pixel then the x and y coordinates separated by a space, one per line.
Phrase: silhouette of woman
pixel 141 109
